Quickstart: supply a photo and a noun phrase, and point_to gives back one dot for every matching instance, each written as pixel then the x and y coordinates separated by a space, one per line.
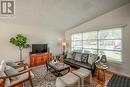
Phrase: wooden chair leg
pixel 30 80
pixel 2 82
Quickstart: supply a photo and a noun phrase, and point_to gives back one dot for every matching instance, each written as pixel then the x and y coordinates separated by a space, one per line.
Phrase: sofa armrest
pixel 93 68
pixel 20 73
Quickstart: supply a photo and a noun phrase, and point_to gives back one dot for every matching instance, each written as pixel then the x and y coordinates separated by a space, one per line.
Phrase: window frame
pixel 97 49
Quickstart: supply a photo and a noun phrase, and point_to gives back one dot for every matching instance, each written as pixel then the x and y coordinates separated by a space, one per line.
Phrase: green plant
pixel 21 42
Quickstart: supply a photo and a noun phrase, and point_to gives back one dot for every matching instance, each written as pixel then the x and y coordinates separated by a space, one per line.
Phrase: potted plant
pixel 21 42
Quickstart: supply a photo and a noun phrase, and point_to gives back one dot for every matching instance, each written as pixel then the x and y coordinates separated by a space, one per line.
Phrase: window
pixel 107 41
pixel 76 42
pixel 90 42
pixel 110 43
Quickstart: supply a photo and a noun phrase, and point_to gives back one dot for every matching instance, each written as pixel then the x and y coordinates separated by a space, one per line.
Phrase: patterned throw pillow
pixel 69 55
pixel 78 56
pixel 73 55
pixel 11 71
pixel 84 58
pixel 92 58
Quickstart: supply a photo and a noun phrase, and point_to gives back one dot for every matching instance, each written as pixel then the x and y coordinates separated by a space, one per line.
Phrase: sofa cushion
pixel 12 64
pixel 69 60
pixel 82 72
pixel 21 78
pixel 70 79
pixel 87 65
pixel 92 58
pixel 11 71
pixel 84 58
pixel 78 56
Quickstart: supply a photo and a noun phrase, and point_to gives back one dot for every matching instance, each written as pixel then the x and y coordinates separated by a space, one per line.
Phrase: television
pixel 39 48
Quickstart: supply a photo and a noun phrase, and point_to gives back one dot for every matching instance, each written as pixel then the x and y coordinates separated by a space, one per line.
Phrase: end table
pixel 101 70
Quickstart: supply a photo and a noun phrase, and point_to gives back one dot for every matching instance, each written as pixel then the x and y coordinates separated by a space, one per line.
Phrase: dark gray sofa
pixel 85 60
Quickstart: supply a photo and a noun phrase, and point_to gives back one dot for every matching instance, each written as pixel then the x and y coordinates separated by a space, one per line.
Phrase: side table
pixel 101 70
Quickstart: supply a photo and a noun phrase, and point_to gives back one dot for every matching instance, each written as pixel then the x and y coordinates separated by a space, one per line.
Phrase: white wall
pixel 120 16
pixel 34 34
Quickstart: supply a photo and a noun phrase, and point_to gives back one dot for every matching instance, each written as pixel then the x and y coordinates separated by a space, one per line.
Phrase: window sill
pixel 116 62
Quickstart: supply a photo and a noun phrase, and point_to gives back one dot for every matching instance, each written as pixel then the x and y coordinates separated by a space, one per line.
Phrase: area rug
pixel 119 81
pixel 44 78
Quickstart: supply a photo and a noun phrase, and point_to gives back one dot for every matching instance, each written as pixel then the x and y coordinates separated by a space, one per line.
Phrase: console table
pixel 39 59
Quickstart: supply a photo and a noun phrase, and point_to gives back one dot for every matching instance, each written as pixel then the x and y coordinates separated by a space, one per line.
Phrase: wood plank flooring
pixel 100 83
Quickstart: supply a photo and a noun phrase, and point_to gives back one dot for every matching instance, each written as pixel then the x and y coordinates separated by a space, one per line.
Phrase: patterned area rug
pixel 44 78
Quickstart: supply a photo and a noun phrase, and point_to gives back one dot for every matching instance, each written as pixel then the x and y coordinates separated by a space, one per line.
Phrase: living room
pixel 66 27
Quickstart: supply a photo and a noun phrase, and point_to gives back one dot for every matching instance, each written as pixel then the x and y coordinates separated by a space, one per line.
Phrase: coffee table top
pixel 58 65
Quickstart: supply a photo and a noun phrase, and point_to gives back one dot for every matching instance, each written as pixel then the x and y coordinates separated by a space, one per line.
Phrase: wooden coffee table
pixel 58 67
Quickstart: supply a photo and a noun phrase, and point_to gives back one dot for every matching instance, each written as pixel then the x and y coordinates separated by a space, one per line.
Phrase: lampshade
pixel 63 43
pixel 103 59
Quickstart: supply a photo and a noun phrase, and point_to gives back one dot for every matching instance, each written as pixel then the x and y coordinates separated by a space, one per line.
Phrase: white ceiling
pixel 60 15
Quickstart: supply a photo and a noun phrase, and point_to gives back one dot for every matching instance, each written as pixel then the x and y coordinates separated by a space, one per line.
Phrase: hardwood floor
pixel 100 83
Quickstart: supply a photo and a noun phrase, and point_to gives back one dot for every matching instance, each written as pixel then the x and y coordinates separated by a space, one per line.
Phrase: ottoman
pixel 68 80
pixel 85 76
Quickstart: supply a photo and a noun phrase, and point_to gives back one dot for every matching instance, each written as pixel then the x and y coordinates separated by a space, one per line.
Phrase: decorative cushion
pixel 69 55
pixel 78 56
pixel 84 58
pixel 3 63
pixel 11 71
pixel 2 68
pixel 12 64
pixel 92 58
pixel 73 54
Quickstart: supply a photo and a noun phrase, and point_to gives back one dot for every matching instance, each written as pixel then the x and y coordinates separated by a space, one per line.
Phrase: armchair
pixel 19 65
pixel 23 76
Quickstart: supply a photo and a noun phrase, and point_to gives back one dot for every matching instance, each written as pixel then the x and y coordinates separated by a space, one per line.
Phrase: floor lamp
pixel 63 46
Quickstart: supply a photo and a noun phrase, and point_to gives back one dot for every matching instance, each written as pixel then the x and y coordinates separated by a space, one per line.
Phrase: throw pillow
pixel 69 55
pixel 84 58
pixel 73 54
pixel 3 63
pixel 78 56
pixel 2 68
pixel 92 58
pixel 11 71
pixel 12 64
